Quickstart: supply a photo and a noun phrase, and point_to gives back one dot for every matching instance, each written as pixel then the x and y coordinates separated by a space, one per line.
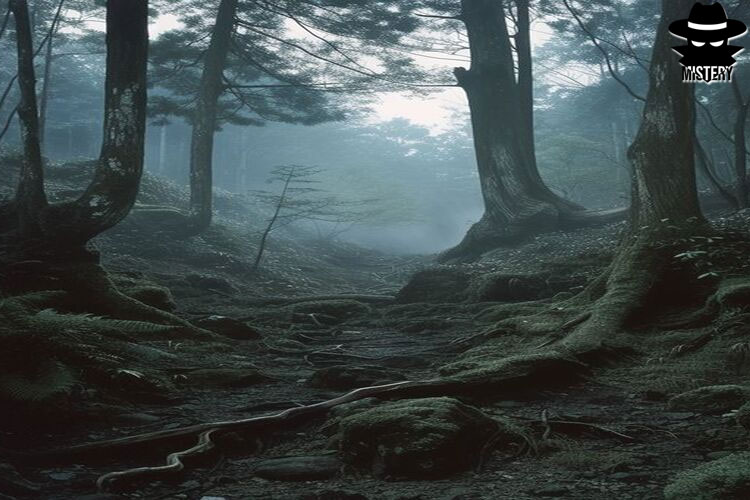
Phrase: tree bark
pixel 30 197
pixel 740 146
pixel 204 121
pixel 44 98
pixel 112 192
pixel 663 153
pixel 526 78
pixel 53 229
pixel 515 198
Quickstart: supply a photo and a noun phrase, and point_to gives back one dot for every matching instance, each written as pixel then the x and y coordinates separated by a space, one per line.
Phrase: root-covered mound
pixel 429 437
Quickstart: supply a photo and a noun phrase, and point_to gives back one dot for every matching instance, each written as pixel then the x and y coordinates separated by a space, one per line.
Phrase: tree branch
pixel 433 16
pixel 595 41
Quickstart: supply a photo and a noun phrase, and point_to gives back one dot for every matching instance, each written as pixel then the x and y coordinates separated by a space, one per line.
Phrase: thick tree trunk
pixel 112 192
pixel 516 200
pixel 664 205
pixel 52 238
pixel 663 153
pixel 45 229
pixel 526 80
pixel 204 121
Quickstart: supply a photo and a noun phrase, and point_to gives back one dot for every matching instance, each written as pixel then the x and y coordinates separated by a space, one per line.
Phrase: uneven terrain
pixel 323 318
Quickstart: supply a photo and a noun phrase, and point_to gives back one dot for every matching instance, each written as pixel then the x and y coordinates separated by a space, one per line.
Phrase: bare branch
pixel 595 41
pixel 433 16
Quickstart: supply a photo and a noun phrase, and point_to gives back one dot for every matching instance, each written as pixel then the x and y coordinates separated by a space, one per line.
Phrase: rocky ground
pixel 625 431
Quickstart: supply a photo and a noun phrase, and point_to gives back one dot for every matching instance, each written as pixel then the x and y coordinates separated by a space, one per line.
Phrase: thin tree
pixel 299 201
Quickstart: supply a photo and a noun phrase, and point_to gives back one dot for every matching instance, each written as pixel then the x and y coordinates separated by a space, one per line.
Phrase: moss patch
pixel 743 416
pixel 428 437
pixel 711 399
pixel 724 479
pixel 733 293
pixel 515 371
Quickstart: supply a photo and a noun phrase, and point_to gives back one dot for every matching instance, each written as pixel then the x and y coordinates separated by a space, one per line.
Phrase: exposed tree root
pixel 375 299
pixel 174 463
pixel 694 345
pixel 485 235
pixel 589 327
pixel 510 375
pixel 205 432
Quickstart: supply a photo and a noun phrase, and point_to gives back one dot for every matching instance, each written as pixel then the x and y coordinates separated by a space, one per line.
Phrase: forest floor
pixel 626 441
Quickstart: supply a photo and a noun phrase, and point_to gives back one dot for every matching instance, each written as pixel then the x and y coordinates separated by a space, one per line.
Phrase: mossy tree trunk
pixel 664 205
pixel 204 120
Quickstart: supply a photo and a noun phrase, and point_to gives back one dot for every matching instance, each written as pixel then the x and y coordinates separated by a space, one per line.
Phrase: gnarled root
pixel 174 464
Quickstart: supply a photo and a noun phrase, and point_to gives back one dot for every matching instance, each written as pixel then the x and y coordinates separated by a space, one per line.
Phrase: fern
pixel 50 378
pixel 49 319
pixel 21 304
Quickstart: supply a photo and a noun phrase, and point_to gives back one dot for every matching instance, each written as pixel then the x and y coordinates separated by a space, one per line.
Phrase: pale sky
pixel 433 111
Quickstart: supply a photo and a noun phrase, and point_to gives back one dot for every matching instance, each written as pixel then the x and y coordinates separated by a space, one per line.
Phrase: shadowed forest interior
pixel 337 249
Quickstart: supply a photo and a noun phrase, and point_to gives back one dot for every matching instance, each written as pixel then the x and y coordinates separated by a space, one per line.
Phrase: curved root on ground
pixel 174 463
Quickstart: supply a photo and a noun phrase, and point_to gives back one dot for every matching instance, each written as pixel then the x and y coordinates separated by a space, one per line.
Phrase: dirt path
pixel 581 466
pixel 341 346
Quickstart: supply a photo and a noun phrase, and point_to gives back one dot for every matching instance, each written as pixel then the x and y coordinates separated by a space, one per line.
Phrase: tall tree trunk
pixel 526 79
pixel 44 98
pixel 30 197
pixel 663 153
pixel 664 206
pixel 740 145
pixel 204 120
pixel 515 198
pixel 51 229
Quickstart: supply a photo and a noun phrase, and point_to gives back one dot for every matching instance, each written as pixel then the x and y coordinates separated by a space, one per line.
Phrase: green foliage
pixel 289 61
pixel 39 348
pixel 45 380
pixel 50 320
